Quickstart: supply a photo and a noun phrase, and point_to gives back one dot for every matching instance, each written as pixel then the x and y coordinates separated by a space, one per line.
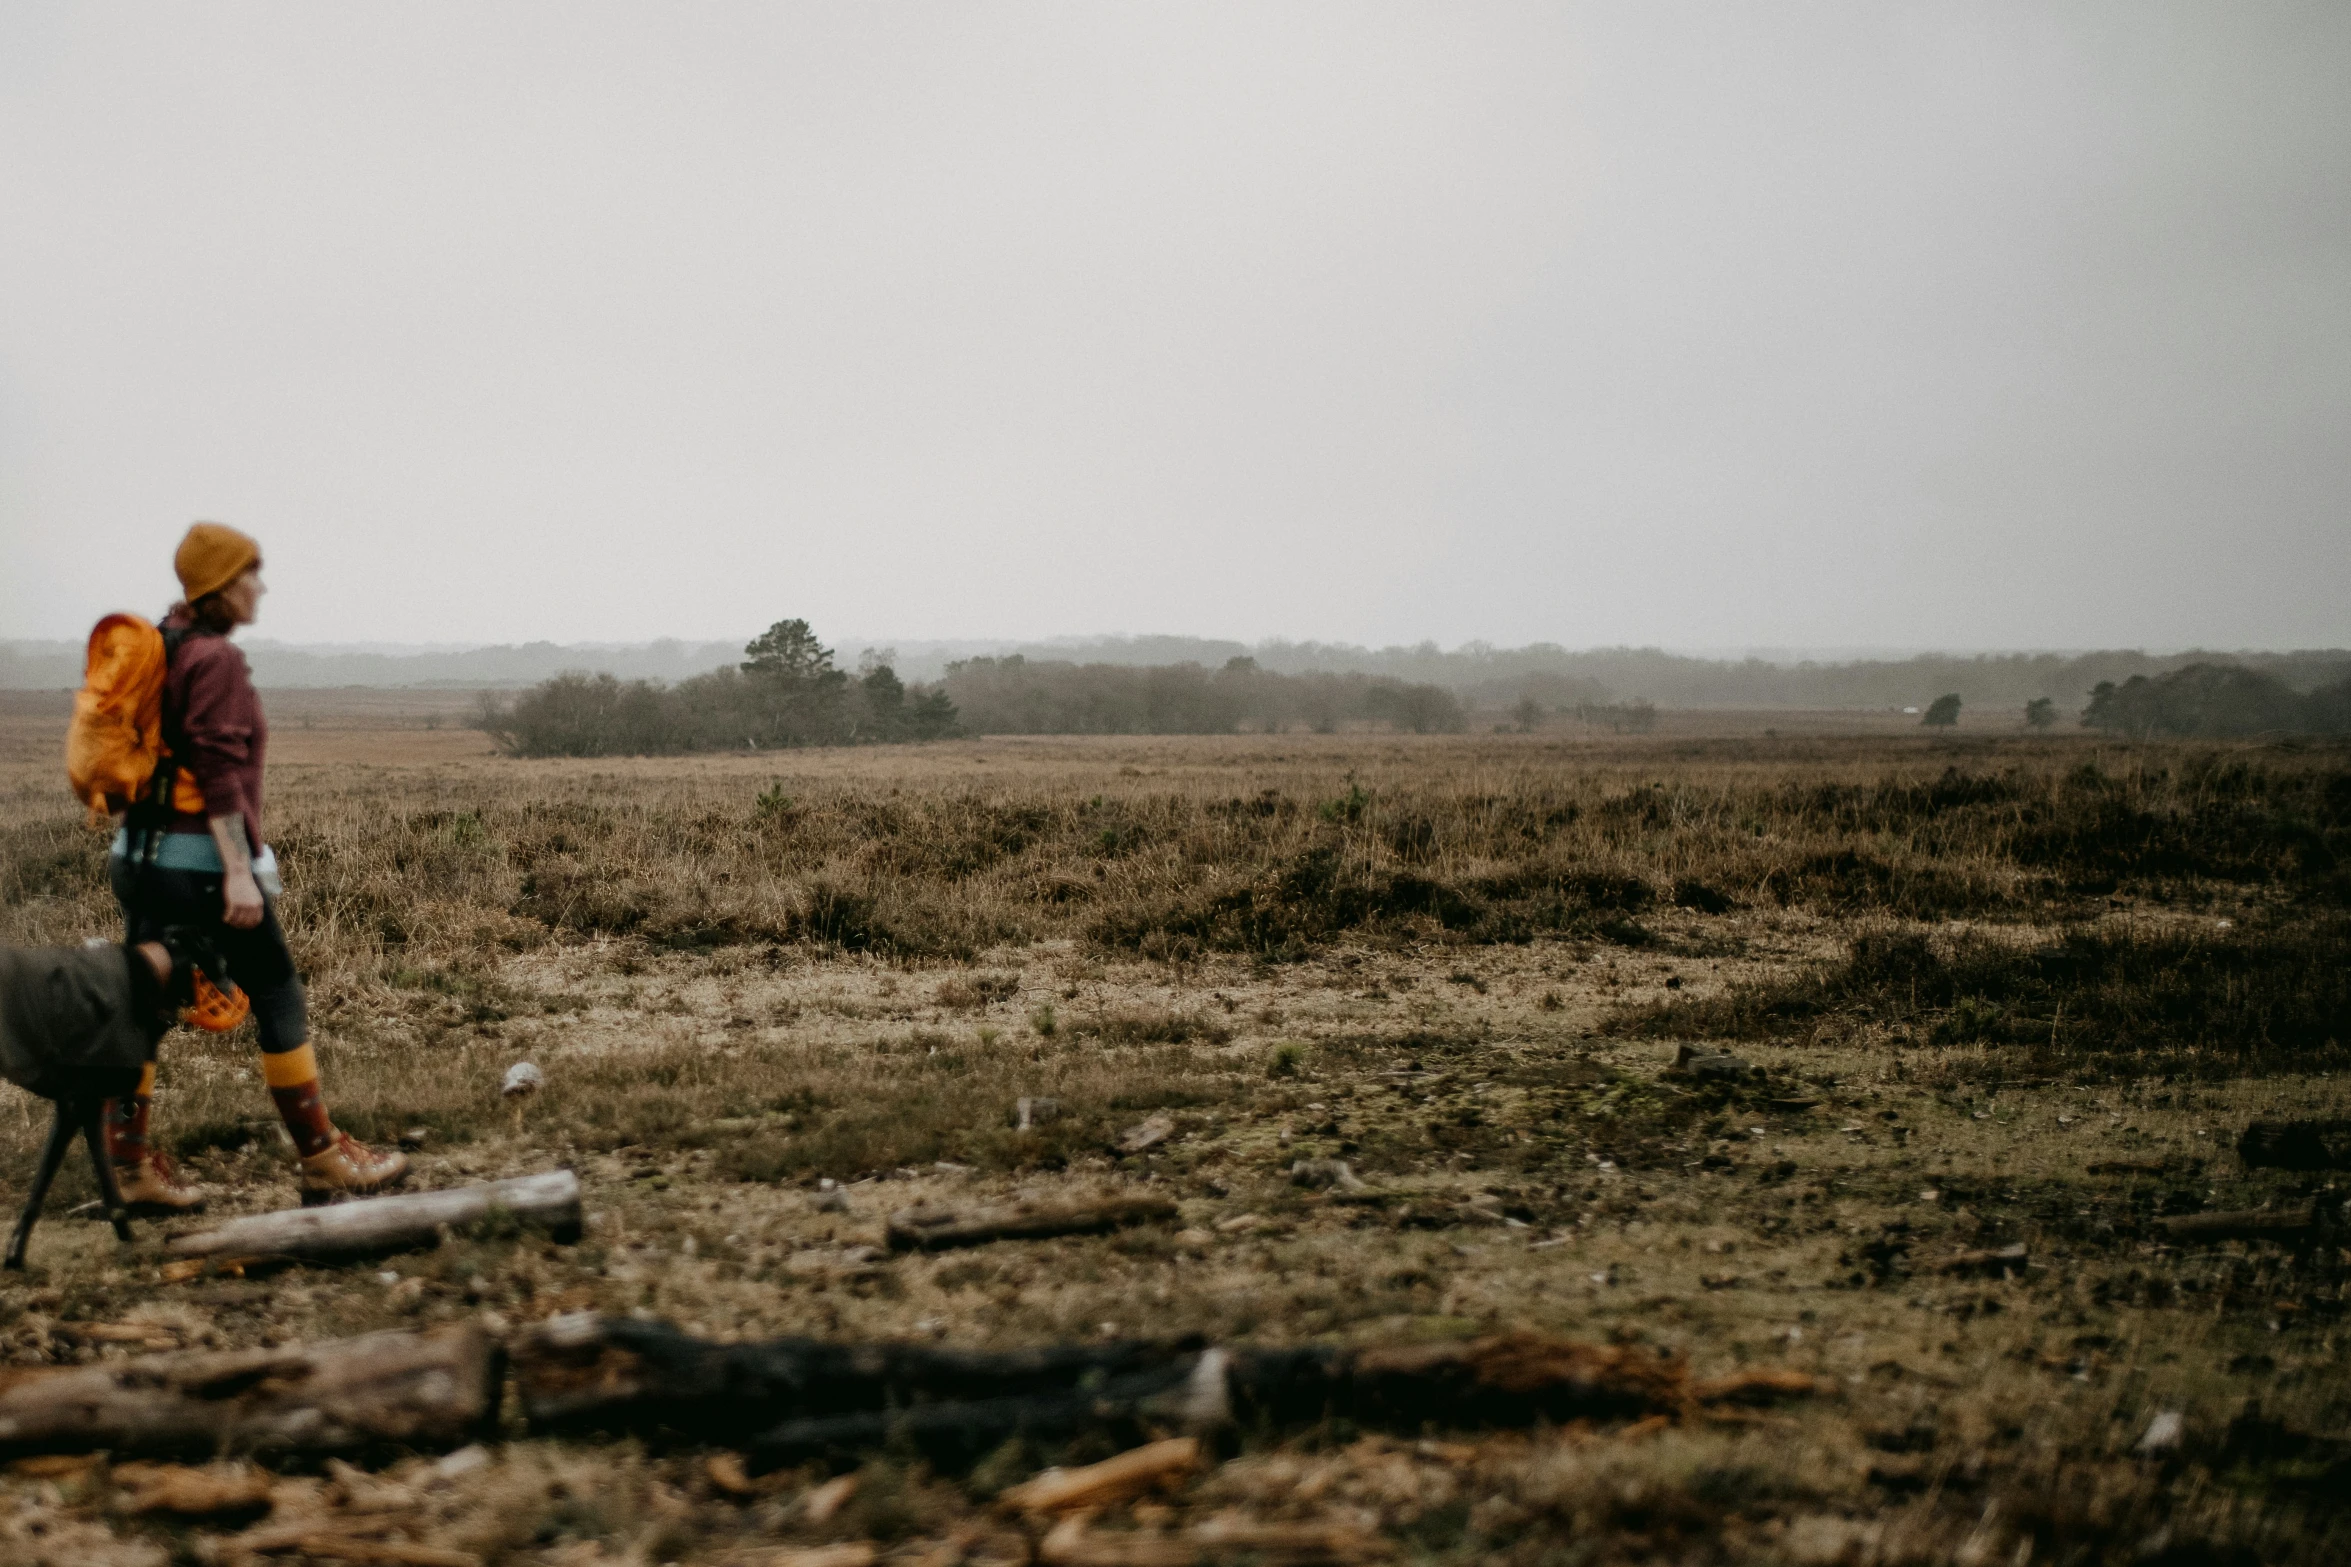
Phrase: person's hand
pixel 240 897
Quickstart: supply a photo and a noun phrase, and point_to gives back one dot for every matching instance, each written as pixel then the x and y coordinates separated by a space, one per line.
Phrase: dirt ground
pixel 746 1110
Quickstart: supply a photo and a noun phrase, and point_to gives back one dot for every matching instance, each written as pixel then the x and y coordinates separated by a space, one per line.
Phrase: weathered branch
pixel 1133 1473
pixel 372 1226
pixel 2293 1225
pixel 937 1229
pixel 436 1389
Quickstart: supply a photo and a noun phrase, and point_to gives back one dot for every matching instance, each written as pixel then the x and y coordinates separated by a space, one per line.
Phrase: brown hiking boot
pixel 152 1188
pixel 348 1165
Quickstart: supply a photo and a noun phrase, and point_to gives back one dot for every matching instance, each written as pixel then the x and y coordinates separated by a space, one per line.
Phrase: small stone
pixel 462 1462
pixel 2163 1432
pixel 834 1200
pixel 1146 1134
pixel 1699 1062
pixel 524 1077
pixel 1324 1172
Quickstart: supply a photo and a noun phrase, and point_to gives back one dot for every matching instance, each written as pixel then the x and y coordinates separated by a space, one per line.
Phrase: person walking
pixel 211 866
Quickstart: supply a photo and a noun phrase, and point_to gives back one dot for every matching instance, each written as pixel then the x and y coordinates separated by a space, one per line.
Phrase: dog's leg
pixel 61 1135
pixel 93 1119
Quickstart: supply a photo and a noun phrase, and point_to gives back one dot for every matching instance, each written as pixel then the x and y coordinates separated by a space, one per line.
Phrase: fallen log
pixel 937 1229
pixel 373 1226
pixel 2296 1145
pixel 796 1399
pixel 416 1390
pixel 2295 1224
pixel 1990 1261
pixel 590 1372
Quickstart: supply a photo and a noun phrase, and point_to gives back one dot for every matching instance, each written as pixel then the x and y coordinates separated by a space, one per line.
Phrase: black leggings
pixel 154 899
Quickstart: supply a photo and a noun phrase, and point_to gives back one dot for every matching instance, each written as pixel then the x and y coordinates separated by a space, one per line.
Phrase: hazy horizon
pixel 1480 674
pixel 1598 325
pixel 846 649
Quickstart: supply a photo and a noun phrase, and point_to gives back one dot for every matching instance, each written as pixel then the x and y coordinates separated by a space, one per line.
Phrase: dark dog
pixel 77 1026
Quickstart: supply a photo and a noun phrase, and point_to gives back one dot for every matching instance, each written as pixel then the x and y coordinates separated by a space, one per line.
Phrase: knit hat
pixel 212 556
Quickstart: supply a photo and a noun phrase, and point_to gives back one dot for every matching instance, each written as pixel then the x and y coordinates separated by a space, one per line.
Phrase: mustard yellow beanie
pixel 212 556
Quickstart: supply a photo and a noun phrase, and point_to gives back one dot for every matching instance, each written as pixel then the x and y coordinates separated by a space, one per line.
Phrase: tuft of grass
pixel 2147 998
pixel 967 992
pixel 1142 1026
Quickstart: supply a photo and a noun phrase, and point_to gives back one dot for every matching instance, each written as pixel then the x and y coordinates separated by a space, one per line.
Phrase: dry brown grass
pixel 1458 965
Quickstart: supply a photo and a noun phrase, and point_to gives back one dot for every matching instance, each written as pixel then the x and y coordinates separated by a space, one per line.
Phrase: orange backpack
pixel 115 741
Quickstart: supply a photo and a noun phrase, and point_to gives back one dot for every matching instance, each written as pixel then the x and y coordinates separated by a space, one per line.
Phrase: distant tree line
pixel 2217 701
pixel 785 692
pixel 1019 695
pixel 1485 678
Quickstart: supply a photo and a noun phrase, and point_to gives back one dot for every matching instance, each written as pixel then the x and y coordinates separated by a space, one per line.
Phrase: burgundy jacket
pixel 212 716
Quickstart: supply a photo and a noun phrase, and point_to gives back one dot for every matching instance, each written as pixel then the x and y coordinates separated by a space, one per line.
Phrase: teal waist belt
pixel 195 851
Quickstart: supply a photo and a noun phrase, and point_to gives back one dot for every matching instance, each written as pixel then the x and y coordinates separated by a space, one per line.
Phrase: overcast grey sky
pixel 1922 325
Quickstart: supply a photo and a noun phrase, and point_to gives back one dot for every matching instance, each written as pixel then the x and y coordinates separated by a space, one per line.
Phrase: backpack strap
pixel 149 813
pixel 174 738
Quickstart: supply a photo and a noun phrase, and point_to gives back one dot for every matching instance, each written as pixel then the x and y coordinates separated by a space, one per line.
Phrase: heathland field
pixel 2013 1000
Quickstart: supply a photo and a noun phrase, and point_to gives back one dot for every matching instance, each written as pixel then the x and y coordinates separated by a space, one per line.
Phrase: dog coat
pixel 78 1022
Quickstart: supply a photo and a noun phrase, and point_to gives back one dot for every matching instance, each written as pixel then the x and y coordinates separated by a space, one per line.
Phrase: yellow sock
pixel 292 1076
pixel 288 1068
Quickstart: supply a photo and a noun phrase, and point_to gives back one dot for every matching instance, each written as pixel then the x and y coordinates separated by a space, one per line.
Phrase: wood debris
pixel 1075 1543
pixel 1123 1478
pixel 185 1491
pixel 2293 1224
pixel 855 1553
pixel 374 1226
pixel 327 1544
pixel 434 1389
pixel 791 1400
pixel 189 1269
pixel 819 1505
pixel 937 1229
pixel 1764 1385
pixel 725 1471
pixel 1993 1261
